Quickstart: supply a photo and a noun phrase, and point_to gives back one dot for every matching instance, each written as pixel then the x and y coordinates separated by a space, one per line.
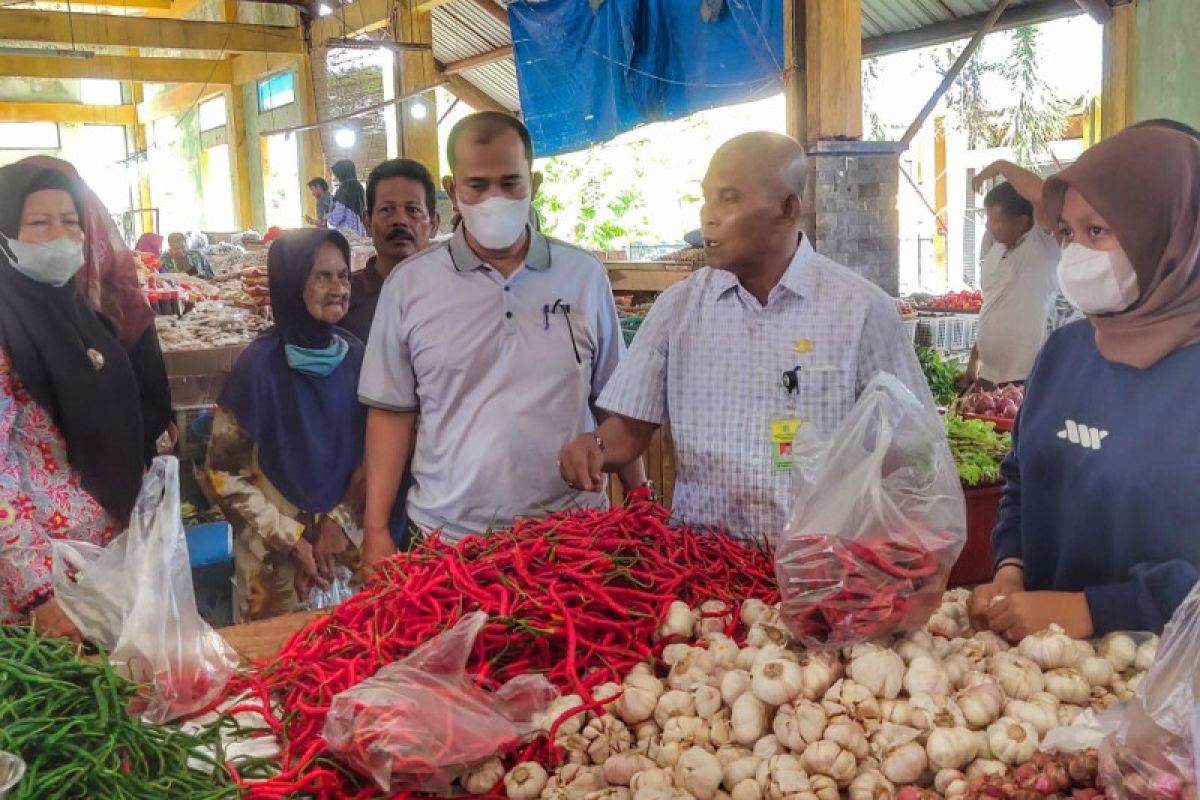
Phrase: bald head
pixel 777 161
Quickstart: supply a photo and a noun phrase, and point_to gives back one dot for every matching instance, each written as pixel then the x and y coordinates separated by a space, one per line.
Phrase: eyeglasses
pixel 565 308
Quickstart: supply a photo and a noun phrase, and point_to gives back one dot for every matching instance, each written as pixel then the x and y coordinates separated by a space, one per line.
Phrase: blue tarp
pixel 586 76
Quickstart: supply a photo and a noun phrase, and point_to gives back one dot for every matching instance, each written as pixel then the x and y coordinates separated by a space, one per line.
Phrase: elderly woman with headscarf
pixel 1099 527
pixel 83 392
pixel 349 201
pixel 287 439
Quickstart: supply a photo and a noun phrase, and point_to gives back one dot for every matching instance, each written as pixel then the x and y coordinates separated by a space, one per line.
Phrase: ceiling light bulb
pixel 418 110
pixel 345 138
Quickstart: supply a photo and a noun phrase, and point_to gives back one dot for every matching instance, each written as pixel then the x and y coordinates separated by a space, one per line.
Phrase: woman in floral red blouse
pixel 83 394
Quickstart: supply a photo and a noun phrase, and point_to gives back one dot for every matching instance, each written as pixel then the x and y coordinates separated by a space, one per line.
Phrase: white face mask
pixel 53 263
pixel 497 222
pixel 1097 281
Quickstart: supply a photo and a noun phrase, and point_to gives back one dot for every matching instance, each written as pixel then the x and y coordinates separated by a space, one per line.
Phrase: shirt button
pixel 506 288
pixel 508 314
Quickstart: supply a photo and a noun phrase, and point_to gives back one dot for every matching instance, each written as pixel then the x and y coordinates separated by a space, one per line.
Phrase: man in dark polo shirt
pixel 401 218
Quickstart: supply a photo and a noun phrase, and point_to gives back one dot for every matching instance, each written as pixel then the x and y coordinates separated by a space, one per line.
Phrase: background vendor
pixel 182 259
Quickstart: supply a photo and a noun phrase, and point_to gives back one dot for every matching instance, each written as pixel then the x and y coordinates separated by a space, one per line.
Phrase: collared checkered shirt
pixel 709 360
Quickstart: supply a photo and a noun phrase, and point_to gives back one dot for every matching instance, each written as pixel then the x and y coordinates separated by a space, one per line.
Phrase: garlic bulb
pixel 871 785
pixel 723 650
pixel 819 673
pixel 768 746
pixel 673 652
pixel 926 674
pixel 654 778
pixel 640 696
pixel 1067 713
pixel 483 778
pixel 620 769
pixel 707 700
pixel 827 757
pixel 746 658
pixel 1068 685
pixel 950 747
pixel 823 787
pixel 980 705
pixel 781 777
pixel 850 736
pixel 1146 652
pixel 851 698
pixel 750 612
pixel 799 724
pixel 693 669
pixel 905 763
pixel 737 771
pixel 679 622
pixel 992 642
pixel 1049 649
pixel 1041 716
pixel 699 773
pixel 982 767
pixel 1119 649
pixel 927 709
pixel 688 731
pixel 607 736
pixel 897 712
pixel 667 754
pixel 1098 671
pixel 674 703
pixel 525 781
pixel 764 633
pixel 877 668
pixel 746 790
pixel 749 719
pixel 958 669
pixel 916 643
pixel 734 684
pixel 777 681
pixel 1019 677
pixel 946 778
pixel 1011 741
pixel 713 616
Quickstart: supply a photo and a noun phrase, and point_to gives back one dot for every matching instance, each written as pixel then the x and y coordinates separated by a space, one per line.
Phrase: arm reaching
pixel 1028 185
pixel 616 444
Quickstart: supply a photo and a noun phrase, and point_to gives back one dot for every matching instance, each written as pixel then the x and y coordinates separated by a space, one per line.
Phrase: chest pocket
pixel 570 339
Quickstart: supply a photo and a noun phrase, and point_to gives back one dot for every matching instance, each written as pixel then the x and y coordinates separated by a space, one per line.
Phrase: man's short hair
pixel 1008 200
pixel 1173 124
pixel 177 237
pixel 319 183
pixel 403 168
pixel 484 127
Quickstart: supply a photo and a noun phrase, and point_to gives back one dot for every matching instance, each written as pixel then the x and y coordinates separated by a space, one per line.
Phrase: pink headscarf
pixel 150 244
pixel 109 278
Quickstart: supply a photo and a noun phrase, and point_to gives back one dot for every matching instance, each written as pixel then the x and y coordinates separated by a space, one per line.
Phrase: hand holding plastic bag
pixel 1155 753
pixel 422 722
pixel 879 520
pixel 135 598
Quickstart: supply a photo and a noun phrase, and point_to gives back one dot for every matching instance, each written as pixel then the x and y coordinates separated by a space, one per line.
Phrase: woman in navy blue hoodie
pixel 1099 527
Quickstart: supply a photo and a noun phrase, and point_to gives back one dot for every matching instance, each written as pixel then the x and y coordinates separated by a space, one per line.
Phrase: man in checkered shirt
pixel 769 337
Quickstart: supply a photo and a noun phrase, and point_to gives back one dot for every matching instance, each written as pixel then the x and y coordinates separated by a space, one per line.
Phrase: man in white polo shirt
pixel 500 340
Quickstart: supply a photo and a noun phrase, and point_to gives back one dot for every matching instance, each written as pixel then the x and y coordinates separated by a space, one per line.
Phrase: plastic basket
pixel 934 332
pixel 910 330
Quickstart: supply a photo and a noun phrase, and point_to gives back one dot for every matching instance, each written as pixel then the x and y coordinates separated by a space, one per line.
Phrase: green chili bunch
pixel 66 717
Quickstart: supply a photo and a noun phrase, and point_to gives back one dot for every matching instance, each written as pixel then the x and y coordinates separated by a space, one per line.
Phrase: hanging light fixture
pixel 345 138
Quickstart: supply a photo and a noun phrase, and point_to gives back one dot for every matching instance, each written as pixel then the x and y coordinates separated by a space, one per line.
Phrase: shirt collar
pixel 799 278
pixel 465 259
pixel 370 278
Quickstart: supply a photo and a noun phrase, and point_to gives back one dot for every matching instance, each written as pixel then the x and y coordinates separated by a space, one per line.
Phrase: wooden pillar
pixel 416 69
pixel 1116 93
pixel 794 69
pixel 139 139
pixel 833 69
pixel 312 152
pixel 239 158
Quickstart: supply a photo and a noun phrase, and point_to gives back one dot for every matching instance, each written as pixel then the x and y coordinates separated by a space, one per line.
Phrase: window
pixel 94 92
pixel 276 91
pixel 29 136
pixel 212 114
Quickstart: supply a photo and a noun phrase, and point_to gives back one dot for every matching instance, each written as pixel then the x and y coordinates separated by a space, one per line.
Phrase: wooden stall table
pixel 264 638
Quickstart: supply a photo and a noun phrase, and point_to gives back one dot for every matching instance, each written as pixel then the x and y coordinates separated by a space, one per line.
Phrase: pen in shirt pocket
pixel 565 308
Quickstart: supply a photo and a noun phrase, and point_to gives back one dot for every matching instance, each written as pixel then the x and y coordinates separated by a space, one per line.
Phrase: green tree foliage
pixel 1038 115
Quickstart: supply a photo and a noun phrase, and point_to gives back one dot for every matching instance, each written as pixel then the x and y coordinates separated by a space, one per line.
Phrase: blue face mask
pixel 317 362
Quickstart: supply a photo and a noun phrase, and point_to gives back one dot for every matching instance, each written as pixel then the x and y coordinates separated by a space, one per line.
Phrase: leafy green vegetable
pixel 941 375
pixel 978 449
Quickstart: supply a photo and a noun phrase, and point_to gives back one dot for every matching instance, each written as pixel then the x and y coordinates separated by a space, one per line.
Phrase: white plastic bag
pixel 1155 753
pixel 421 722
pixel 879 520
pixel 135 599
pixel 338 592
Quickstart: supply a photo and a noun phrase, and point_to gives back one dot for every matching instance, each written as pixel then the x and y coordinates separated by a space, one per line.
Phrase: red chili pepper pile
pixel 575 595
pixel 838 591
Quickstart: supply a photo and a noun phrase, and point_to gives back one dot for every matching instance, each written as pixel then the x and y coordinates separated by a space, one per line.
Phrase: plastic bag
pixel 135 599
pixel 1155 753
pixel 339 590
pixel 422 722
pixel 878 521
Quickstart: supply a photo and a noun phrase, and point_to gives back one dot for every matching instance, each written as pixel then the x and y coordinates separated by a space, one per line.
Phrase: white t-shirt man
pixel 1018 286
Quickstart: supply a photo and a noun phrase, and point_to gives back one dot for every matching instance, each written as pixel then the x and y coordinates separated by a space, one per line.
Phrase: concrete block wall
pixel 854 218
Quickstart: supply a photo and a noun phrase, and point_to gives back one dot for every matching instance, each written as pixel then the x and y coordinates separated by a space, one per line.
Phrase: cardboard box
pixel 196 377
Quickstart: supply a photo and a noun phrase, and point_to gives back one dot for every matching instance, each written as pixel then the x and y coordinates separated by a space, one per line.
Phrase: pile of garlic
pixel 764 721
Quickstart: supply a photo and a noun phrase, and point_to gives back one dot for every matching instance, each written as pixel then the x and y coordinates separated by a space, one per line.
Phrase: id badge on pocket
pixel 783 432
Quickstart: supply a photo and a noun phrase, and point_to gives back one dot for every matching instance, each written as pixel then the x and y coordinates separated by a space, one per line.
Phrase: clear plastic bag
pixel 878 521
pixel 135 599
pixel 1155 753
pixel 422 722
pixel 339 590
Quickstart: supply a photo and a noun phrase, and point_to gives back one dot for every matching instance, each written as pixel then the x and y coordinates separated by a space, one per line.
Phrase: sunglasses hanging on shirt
pixel 565 308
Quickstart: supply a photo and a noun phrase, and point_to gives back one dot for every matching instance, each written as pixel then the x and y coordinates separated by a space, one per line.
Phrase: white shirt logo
pixel 1082 435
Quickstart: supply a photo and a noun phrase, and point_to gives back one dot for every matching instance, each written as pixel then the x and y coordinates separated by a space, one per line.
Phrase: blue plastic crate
pixel 209 544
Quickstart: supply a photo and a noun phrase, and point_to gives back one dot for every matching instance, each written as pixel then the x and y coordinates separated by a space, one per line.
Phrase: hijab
pixel 149 243
pixel 109 278
pixel 309 430
pixel 1145 182
pixel 69 359
pixel 350 193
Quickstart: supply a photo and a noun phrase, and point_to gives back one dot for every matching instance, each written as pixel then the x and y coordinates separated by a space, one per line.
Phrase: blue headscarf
pixel 309 430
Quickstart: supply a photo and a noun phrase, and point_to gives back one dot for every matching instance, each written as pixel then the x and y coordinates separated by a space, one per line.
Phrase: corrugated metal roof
pixel 462 29
pixel 881 17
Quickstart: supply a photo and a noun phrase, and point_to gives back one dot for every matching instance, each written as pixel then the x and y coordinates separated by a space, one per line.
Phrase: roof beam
pixel 953 30
pixel 68 112
pixel 181 97
pixel 494 11
pixel 121 68
pixel 351 20
pixel 481 60
pixel 174 34
pixel 472 95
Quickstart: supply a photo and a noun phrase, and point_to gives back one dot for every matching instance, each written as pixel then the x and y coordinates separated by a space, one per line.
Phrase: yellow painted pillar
pixel 833 69
pixel 418 137
pixel 939 194
pixel 1116 91
pixel 239 158
pixel 312 151
pixel 139 138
